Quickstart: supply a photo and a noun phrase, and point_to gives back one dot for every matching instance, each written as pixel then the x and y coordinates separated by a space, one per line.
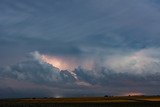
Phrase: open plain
pixel 127 101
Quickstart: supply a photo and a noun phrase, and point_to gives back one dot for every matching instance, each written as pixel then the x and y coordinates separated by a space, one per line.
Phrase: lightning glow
pixel 64 63
pixel 133 94
pixel 60 63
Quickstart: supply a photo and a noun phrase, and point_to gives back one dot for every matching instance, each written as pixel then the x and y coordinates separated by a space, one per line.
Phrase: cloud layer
pixel 84 47
pixel 37 78
pixel 76 28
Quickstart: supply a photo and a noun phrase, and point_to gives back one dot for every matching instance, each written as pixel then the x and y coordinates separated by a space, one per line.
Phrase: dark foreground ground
pixel 130 101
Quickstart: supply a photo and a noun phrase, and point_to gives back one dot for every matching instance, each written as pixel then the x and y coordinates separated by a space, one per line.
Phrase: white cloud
pixel 145 61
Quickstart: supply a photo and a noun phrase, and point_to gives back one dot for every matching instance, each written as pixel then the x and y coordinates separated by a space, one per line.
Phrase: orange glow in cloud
pixel 56 62
pixel 67 63
pixel 133 94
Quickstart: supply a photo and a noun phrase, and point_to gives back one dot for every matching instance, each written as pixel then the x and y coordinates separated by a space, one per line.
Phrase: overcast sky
pixel 105 47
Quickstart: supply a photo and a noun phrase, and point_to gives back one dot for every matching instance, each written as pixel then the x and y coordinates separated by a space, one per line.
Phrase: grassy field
pixel 129 101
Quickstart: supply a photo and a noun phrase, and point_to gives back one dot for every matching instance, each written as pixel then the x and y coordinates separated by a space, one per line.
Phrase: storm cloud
pixel 79 47
pixel 37 78
pixel 76 28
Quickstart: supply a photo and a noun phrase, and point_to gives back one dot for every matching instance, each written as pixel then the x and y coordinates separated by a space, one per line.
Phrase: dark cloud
pixel 117 40
pixel 36 78
pixel 65 27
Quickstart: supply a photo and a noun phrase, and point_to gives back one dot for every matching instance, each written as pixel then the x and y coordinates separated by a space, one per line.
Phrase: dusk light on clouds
pixel 76 48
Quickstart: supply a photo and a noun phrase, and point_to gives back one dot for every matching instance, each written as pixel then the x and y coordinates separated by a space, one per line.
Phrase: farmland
pixel 129 101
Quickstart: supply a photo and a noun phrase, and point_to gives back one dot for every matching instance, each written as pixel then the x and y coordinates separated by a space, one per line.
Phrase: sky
pixel 79 48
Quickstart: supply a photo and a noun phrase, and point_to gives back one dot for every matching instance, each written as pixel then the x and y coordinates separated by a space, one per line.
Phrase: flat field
pixel 129 101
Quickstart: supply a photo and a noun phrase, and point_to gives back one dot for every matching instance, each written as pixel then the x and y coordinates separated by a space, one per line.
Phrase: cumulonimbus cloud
pixel 36 73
